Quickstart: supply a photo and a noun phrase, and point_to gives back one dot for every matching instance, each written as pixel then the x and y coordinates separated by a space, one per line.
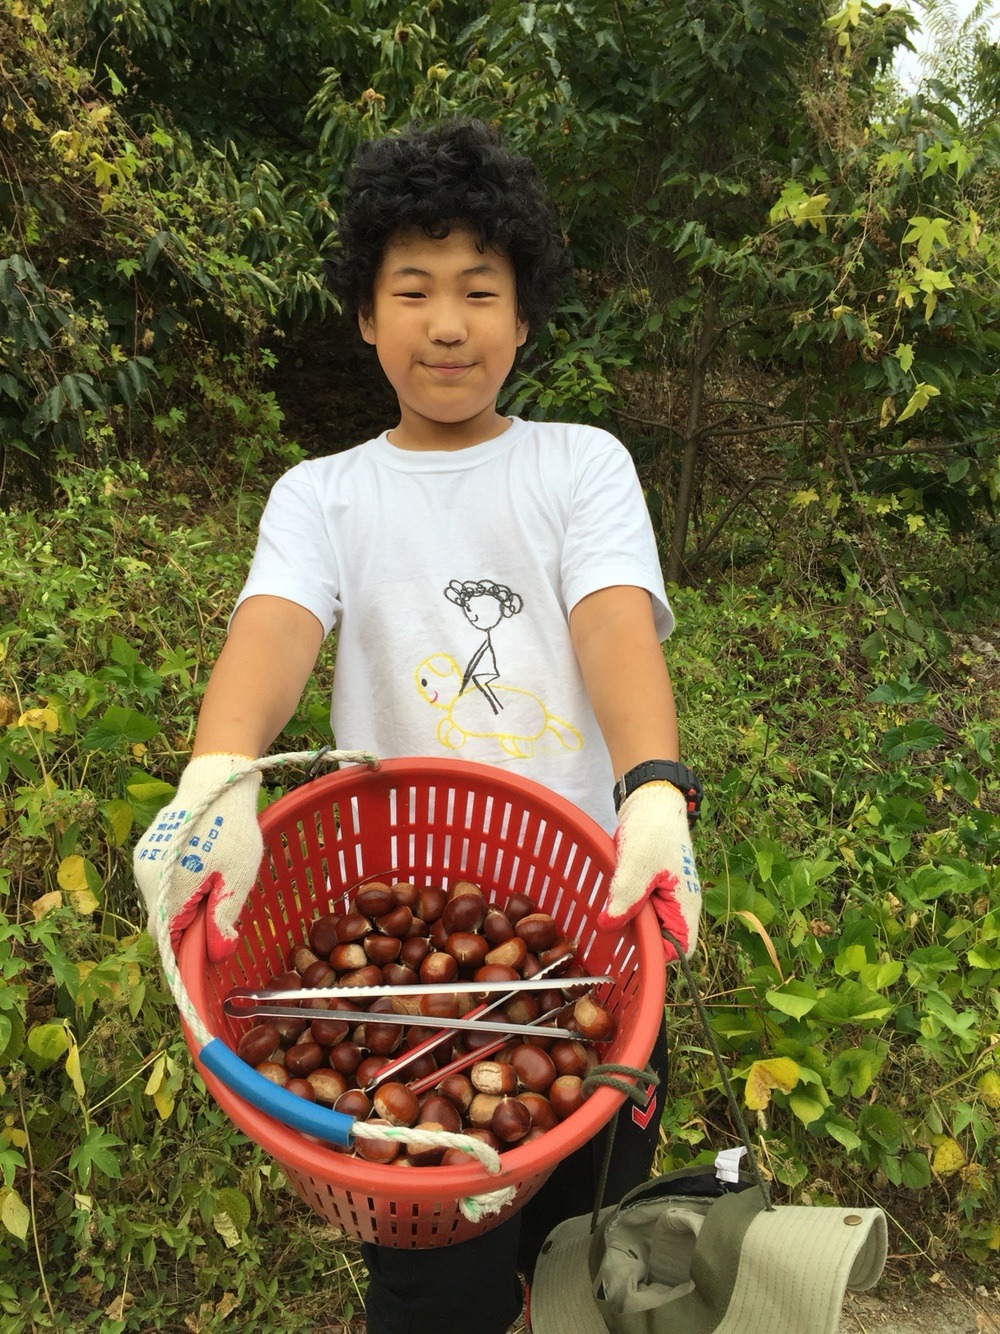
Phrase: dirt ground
pixel 934 1310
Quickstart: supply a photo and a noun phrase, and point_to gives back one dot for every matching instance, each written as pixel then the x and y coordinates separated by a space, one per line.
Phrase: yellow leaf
pixel 914 521
pixel 163 1101
pixel 754 921
pixel 139 750
pixel 778 1073
pixel 803 498
pixel 46 904
pixel 888 411
pixel 119 817
pixel 46 720
pixel 226 1229
pixel 13 1214
pixel 76 876
pixel 157 1074
pixel 73 1067
pixel 988 1088
pixel 949 1156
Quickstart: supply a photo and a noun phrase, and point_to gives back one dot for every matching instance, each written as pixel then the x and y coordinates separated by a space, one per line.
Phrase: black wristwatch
pixel 685 780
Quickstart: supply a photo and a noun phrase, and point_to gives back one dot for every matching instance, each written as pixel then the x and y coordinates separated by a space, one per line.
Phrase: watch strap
pixel 685 780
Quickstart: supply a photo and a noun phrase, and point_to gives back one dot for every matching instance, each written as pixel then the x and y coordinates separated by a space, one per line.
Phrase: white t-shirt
pixel 449 577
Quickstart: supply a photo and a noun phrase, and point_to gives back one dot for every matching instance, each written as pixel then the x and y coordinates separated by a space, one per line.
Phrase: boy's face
pixel 444 323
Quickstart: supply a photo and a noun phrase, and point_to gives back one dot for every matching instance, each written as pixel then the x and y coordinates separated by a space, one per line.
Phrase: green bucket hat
pixel 687 1254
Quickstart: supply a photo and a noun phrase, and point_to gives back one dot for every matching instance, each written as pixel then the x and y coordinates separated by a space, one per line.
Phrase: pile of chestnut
pixel 396 934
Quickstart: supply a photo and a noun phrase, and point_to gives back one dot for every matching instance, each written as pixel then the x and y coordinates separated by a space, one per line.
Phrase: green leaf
pixel 48 1041
pixel 916 1171
pixel 96 1154
pixel 119 725
pixel 795 999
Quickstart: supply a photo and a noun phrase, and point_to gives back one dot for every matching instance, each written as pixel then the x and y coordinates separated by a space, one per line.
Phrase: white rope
pixel 474 1207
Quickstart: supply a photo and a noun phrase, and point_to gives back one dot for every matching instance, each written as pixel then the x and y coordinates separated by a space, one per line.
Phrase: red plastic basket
pixel 430 822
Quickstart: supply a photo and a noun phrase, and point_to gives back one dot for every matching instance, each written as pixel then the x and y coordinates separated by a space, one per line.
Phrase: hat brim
pixel 562 1293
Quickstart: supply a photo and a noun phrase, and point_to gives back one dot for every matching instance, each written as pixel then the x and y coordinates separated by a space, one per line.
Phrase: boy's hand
pixel 655 862
pixel 223 851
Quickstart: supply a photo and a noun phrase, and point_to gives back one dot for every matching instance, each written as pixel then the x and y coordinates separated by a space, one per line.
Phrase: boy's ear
pixel 367 326
pixel 522 331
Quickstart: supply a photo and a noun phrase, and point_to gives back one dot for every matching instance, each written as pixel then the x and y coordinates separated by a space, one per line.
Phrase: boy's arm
pixel 259 677
pixel 625 675
pixel 629 688
pixel 252 692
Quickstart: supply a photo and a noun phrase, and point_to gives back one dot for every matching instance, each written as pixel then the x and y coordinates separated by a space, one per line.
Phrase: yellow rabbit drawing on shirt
pixel 474 705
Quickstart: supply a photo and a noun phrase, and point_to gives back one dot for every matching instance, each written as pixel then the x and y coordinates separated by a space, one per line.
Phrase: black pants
pixel 474 1286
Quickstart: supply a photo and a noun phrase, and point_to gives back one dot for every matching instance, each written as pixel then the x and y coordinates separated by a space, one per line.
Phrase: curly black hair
pixel 430 178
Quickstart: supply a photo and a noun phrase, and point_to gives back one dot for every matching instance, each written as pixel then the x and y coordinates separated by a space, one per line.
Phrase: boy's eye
pixel 410 294
pixel 479 295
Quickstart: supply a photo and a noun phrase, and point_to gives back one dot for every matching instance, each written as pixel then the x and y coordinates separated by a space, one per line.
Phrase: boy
pixel 501 571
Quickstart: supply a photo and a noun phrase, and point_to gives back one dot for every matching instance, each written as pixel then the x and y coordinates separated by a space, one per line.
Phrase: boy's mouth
pixel 448 367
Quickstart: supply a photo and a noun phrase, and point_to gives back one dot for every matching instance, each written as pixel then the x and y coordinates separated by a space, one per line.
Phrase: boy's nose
pixel 446 325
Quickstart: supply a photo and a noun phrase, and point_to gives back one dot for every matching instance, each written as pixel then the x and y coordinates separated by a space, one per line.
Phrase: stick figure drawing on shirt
pixel 485 604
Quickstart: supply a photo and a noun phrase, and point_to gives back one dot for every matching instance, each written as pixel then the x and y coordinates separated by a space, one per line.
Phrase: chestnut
pixel 396 922
pixel 430 904
pixel 354 926
pixel 353 1103
pixel 302 1089
pixel 518 906
pixel 323 933
pixel 369 976
pixel 461 887
pixel 426 1155
pixel 413 951
pixel 569 1057
pixel 327 1085
pixel 345 1058
pixel 538 931
pixel 540 1108
pixel 481 1109
pixel 593 1020
pixel 382 950
pixel 534 1068
pixel 511 1120
pixel 438 934
pixel 438 968
pixel 566 1095
pixel 376 1150
pixel 458 1089
pixel 399 974
pixel 374 899
pixel 345 958
pixel 367 1069
pixel 467 949
pixel 495 972
pixel 493 1077
pixel 406 894
pixel 562 949
pixel 443 1005
pixel 523 1009
pixel 302 957
pixel 466 913
pixel 273 1072
pixel 435 1107
pixel 303 1058
pixel 318 974
pixel 396 1103
pixel 382 1039
pixel 258 1044
pixel 497 927
pixel 509 953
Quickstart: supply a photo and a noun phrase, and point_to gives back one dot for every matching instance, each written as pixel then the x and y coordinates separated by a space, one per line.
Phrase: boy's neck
pixel 420 434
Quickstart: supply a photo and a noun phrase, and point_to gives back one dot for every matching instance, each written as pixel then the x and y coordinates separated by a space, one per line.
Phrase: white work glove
pixel 655 862
pixel 223 851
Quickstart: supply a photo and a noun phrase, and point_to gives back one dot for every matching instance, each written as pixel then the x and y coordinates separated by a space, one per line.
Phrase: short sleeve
pixel 609 536
pixel 294 557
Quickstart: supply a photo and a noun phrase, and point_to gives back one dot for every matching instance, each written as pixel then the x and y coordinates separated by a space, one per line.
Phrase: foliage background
pixel 786 303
